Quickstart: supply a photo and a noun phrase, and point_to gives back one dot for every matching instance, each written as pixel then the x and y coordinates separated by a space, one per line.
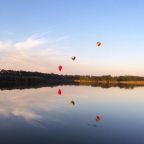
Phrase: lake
pixel 42 116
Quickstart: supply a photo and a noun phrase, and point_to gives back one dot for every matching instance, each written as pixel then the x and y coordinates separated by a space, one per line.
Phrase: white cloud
pixel 33 54
pixel 5 45
pixel 29 43
pixel 28 115
pixel 27 104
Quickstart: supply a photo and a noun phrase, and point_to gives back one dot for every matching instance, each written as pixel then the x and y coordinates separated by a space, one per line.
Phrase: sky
pixel 40 35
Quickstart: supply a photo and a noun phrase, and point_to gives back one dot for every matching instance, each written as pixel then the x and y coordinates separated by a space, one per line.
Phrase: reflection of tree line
pixel 21 79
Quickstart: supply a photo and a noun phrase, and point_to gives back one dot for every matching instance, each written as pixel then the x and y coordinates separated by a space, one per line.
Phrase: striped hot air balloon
pixel 73 58
pixel 98 43
pixel 97 118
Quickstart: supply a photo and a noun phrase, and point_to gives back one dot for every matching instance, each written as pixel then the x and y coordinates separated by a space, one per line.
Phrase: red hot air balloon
pixel 59 92
pixel 97 118
pixel 98 43
pixel 60 67
pixel 73 58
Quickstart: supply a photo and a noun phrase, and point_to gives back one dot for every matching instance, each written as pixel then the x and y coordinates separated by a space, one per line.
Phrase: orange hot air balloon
pixel 72 102
pixel 98 43
pixel 60 67
pixel 97 118
pixel 59 92
pixel 73 58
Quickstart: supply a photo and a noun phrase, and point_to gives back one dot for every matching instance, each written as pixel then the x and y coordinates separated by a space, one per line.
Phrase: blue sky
pixel 38 35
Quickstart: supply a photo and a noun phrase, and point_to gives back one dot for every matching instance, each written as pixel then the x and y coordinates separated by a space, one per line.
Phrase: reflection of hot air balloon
pixel 59 92
pixel 73 58
pixel 60 67
pixel 97 118
pixel 72 102
pixel 98 43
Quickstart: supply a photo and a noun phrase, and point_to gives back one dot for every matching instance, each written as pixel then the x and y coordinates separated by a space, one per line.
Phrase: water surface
pixel 41 116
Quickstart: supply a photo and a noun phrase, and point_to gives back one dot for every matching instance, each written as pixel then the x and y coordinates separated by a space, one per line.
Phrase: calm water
pixel 42 116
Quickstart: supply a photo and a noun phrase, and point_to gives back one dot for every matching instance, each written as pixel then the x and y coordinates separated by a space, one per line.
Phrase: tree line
pixel 27 76
pixel 26 79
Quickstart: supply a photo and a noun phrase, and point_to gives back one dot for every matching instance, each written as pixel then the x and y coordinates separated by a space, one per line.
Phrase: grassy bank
pixel 130 82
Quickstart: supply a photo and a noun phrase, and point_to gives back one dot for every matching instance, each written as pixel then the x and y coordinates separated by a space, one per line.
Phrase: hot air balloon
pixel 72 102
pixel 59 92
pixel 73 58
pixel 97 118
pixel 60 67
pixel 98 43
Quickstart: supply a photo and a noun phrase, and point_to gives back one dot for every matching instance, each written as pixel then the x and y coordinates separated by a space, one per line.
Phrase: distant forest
pixel 11 75
pixel 26 78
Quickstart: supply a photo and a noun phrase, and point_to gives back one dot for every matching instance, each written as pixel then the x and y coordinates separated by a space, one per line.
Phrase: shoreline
pixel 111 82
pixel 26 79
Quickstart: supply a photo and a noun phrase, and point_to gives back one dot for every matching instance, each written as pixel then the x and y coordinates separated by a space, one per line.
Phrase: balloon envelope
pixel 60 67
pixel 97 118
pixel 59 92
pixel 98 43
pixel 73 58
pixel 72 102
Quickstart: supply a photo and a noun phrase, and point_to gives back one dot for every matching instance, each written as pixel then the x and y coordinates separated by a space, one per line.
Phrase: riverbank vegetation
pixel 27 78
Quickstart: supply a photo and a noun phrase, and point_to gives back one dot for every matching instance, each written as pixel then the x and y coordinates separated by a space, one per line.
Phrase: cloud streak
pixel 28 43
